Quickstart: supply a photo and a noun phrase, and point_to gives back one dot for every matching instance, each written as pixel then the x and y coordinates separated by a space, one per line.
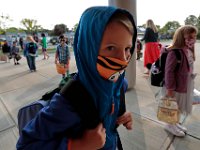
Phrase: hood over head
pixel 87 42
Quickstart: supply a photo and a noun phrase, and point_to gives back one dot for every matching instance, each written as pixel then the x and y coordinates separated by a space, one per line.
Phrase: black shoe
pixel 18 63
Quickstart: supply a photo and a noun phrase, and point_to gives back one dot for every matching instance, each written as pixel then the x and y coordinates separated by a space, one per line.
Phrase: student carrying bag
pixel 158 68
pixel 69 87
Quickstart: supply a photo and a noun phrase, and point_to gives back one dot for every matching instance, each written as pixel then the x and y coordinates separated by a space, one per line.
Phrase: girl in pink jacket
pixel 179 82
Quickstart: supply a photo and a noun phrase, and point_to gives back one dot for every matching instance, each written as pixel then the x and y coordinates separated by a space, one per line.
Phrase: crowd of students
pixel 101 61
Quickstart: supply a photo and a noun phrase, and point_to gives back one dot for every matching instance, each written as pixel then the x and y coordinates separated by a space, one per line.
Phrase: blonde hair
pixel 150 24
pixel 123 19
pixel 178 38
pixel 30 39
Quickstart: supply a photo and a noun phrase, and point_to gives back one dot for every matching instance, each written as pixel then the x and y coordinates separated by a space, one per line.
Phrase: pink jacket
pixel 176 80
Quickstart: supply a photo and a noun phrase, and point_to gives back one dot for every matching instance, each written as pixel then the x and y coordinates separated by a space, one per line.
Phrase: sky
pixel 48 13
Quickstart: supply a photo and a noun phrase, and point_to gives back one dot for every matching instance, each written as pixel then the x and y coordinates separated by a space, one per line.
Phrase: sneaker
pixel 182 128
pixel 173 129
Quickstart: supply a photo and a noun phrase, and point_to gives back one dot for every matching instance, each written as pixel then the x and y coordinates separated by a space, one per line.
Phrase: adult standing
pixel 151 51
pixel 44 46
pixel 31 53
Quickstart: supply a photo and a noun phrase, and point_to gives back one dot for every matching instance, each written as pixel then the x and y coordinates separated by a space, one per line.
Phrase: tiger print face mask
pixel 110 68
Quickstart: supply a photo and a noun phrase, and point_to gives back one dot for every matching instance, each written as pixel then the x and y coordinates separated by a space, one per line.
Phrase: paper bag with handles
pixel 168 110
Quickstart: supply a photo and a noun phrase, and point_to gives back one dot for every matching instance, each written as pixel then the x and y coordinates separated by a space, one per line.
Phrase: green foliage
pixel 75 27
pixel 195 21
pixel 60 29
pixel 169 29
pixel 3 21
pixel 30 25
pixel 12 30
pixel 191 20
pixel 2 31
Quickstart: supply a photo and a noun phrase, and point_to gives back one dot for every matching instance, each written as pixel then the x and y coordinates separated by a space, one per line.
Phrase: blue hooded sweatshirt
pixel 42 131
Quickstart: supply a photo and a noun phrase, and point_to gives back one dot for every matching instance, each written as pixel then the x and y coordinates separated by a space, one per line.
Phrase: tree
pixel 60 29
pixel 75 27
pixel 30 25
pixel 170 27
pixel 198 26
pixel 158 27
pixel 12 30
pixel 191 20
pixel 3 21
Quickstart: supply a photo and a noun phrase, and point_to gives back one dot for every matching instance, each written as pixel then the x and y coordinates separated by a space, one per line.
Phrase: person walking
pixel 101 60
pixel 21 43
pixel 62 56
pixel 179 83
pixel 44 46
pixel 139 49
pixel 15 53
pixel 35 37
pixel 31 52
pixel 6 51
pixel 151 51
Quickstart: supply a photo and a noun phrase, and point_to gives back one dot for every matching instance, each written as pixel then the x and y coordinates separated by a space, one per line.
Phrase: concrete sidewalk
pixel 19 87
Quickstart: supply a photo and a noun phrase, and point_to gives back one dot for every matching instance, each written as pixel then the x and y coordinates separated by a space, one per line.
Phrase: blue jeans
pixel 31 60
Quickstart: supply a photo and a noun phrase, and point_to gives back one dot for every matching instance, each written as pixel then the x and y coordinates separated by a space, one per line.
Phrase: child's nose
pixel 124 55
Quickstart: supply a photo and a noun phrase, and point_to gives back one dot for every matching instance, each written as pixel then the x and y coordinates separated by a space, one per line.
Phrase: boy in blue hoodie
pixel 103 45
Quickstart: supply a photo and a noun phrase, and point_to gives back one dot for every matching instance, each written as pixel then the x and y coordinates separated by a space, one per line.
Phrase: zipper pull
pixel 112 109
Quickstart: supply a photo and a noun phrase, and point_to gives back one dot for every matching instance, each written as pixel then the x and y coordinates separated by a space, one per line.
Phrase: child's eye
pixel 128 49
pixel 110 48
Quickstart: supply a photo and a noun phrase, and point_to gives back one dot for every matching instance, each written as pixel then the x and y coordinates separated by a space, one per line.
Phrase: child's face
pixel 190 40
pixel 116 42
pixel 191 36
pixel 62 41
pixel 114 53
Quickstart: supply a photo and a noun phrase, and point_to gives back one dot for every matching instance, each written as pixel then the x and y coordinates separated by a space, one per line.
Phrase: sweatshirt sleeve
pixel 49 129
pixel 145 34
pixel 171 62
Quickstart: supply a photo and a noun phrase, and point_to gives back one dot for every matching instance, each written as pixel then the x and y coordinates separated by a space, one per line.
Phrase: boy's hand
pixel 126 120
pixel 92 139
pixel 56 61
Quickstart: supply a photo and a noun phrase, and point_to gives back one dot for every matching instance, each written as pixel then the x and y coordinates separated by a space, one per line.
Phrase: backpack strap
pixel 48 95
pixel 122 106
pixel 82 102
pixel 178 57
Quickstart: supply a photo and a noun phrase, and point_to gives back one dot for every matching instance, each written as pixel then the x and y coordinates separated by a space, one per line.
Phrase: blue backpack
pixel 69 87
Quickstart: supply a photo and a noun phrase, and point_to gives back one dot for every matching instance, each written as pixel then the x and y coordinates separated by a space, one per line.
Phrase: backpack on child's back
pixel 158 67
pixel 31 48
pixel 86 109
